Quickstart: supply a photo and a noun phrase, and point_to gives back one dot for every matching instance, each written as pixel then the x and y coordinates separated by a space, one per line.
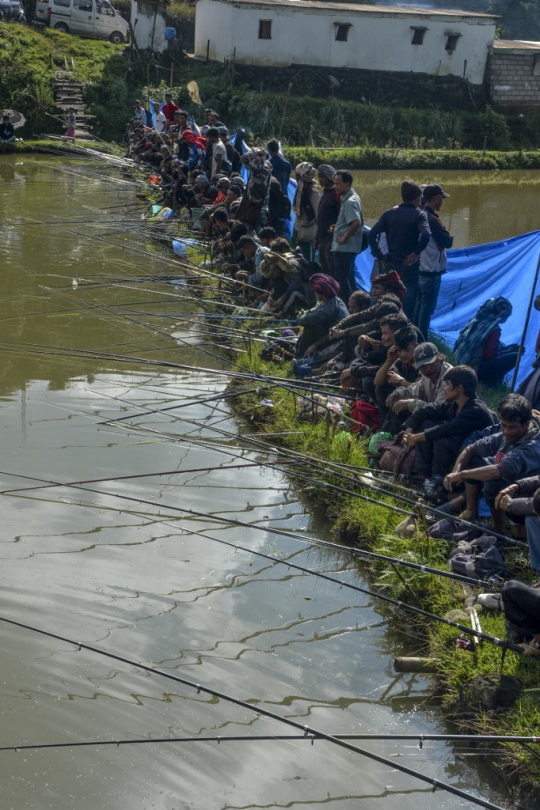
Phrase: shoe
pixel 491 601
pixel 471 517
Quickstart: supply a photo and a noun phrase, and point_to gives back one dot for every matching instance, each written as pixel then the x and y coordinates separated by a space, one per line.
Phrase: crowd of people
pixel 288 239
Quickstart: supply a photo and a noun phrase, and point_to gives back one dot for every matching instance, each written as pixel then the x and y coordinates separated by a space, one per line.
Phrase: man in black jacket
pixel 327 215
pixel 438 431
pixel 407 234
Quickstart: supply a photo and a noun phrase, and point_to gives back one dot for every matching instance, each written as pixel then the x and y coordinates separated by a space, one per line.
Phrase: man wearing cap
pixel 7 131
pixel 430 389
pixel 432 258
pixel 348 231
pixel 327 215
pixel 407 234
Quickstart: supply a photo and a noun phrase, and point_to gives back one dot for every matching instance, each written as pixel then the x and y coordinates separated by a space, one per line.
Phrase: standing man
pixel 407 235
pixel 218 152
pixel 169 109
pixel 159 118
pixel 432 259
pixel 140 114
pixel 347 239
pixel 327 215
pixel 281 168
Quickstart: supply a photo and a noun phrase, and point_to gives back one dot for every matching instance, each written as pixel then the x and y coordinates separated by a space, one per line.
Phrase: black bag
pixel 479 559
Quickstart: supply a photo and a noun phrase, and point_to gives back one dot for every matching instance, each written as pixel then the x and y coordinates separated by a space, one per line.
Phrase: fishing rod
pixel 280 738
pixel 259 710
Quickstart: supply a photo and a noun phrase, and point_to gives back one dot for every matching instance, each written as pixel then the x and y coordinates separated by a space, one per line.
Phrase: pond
pixel 482 207
pixel 134 566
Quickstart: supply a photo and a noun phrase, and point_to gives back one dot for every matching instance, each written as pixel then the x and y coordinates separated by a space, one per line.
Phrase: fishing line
pixel 258 710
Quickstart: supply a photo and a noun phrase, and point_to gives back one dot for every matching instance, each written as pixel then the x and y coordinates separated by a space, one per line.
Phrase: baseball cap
pixel 223 130
pixel 425 353
pixel 433 190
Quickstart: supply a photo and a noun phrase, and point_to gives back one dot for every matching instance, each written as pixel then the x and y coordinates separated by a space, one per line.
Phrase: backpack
pixel 366 415
pixel 479 559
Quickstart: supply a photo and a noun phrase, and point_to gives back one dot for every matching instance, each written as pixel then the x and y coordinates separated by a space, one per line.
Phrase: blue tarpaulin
pixel 477 273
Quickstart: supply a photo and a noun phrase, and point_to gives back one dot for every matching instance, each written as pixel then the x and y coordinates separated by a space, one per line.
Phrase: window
pixel 103 7
pixel 451 42
pixel 265 29
pixel 536 65
pixel 419 33
pixel 62 3
pixel 342 31
pixel 82 5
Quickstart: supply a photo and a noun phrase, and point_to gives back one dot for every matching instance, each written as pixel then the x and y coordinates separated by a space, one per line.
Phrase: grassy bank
pixel 376 158
pixel 466 680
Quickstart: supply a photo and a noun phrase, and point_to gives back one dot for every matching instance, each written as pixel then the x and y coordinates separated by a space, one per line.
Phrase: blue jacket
pixel 518 460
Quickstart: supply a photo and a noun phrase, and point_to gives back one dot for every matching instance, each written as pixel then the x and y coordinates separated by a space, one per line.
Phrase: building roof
pixel 516 45
pixel 355 8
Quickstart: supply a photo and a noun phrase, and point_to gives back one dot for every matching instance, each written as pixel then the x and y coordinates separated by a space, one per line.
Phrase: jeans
pixel 342 270
pixel 410 277
pixel 532 524
pixel 428 292
pixel 522 606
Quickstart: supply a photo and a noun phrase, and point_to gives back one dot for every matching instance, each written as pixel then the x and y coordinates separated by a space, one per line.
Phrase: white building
pixel 344 35
pixel 148 21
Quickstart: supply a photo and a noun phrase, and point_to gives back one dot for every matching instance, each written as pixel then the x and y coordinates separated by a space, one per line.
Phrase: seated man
pixel 429 389
pixel 494 462
pixel 372 354
pixel 521 501
pixel 397 370
pixel 438 431
pixel 479 343
pixel 330 310
pixel 7 132
pixel 252 254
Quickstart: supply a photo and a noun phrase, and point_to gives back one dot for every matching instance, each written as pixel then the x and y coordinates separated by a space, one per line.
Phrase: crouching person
pixel 493 462
pixel 438 431
pixel 397 370
pixel 521 502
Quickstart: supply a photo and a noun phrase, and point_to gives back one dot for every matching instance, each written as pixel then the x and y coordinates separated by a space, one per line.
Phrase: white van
pixel 88 18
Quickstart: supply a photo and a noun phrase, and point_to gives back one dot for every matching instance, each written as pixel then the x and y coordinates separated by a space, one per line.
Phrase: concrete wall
pixel 376 41
pixel 512 79
pixel 148 21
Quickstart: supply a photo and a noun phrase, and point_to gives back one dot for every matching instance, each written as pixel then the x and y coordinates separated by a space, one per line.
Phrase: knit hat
pixel 410 191
pixel 327 171
pixel 391 282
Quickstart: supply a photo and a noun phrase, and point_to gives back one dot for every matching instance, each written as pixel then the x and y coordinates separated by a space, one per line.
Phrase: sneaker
pixel 492 601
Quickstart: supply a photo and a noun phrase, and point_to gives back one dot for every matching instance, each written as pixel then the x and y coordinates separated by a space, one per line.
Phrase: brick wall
pixel 511 79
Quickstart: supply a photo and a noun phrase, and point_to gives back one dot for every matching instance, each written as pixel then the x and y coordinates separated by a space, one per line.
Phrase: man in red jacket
pixel 169 109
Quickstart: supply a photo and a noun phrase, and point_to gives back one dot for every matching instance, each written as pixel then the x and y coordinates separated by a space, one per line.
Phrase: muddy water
pixel 482 207
pixel 110 564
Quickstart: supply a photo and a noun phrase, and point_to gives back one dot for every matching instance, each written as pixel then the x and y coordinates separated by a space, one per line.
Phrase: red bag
pixel 366 415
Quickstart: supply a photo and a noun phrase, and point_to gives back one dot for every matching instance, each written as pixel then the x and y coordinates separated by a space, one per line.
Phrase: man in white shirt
pixel 140 114
pixel 219 152
pixel 159 118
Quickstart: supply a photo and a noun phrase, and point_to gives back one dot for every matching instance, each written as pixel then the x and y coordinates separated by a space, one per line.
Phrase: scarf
pixel 194 139
pixel 324 285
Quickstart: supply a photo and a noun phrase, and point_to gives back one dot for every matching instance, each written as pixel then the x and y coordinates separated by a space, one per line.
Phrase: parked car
pixel 11 11
pixel 88 18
